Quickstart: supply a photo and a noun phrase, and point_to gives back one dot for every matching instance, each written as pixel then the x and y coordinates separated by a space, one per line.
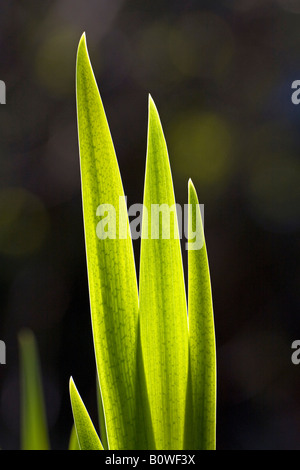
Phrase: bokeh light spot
pixel 202 45
pixel 201 146
pixel 153 66
pixel 55 62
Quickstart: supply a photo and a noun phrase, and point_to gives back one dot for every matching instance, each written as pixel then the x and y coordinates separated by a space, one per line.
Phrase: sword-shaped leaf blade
pixel 111 269
pixel 34 430
pixel 163 310
pixel 86 434
pixel 200 428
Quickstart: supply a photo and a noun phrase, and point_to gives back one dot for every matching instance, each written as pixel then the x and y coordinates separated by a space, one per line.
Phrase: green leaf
pixel 34 431
pixel 73 442
pixel 101 417
pixel 163 310
pixel 86 434
pixel 201 405
pixel 111 271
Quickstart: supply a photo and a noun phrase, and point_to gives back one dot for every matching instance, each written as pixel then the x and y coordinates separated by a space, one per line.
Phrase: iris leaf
pixel 163 310
pixel 200 428
pixel 111 271
pixel 34 430
pixel 86 434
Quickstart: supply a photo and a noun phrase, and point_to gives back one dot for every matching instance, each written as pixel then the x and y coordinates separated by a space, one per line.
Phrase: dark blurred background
pixel 220 74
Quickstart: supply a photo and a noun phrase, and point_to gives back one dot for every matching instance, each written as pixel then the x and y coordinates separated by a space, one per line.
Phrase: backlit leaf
pixel 111 271
pixel 163 310
pixel 201 406
pixel 86 434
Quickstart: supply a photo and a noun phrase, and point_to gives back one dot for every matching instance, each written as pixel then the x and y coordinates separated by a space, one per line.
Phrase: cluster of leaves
pixel 154 349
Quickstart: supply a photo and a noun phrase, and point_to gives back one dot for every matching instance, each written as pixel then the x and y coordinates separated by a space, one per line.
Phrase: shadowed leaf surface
pixel 34 431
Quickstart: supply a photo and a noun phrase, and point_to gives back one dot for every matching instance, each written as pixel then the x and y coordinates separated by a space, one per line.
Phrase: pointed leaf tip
pixel 150 99
pixel 163 315
pixel 152 105
pixel 87 436
pixel 83 37
pixel 71 382
pixel 82 42
pixel 200 430
pixel 112 284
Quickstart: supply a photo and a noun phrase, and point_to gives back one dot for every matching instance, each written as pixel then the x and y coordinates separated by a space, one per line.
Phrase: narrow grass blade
pixel 86 434
pixel 111 268
pixel 34 431
pixel 163 310
pixel 201 407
